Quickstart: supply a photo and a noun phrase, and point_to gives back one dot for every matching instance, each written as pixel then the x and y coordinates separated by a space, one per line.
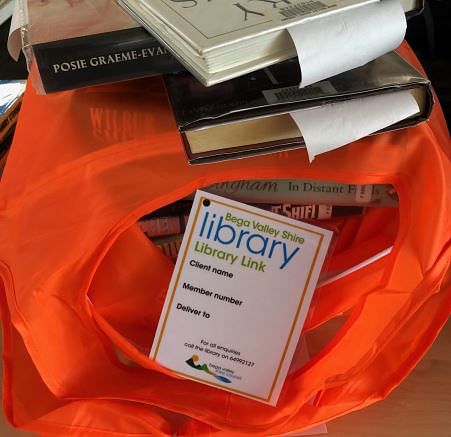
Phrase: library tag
pixel 238 297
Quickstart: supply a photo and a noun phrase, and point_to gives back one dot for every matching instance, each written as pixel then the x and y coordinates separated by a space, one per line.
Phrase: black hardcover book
pixel 250 115
pixel 77 44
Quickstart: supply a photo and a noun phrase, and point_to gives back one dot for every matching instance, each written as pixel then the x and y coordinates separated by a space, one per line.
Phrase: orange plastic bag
pixel 84 287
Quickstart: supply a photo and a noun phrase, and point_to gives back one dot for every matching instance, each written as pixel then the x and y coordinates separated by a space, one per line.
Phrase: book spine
pixel 297 212
pixel 170 246
pixel 312 212
pixel 294 191
pixel 4 150
pixel 102 58
pixel 167 232
pixel 3 157
pixel 163 226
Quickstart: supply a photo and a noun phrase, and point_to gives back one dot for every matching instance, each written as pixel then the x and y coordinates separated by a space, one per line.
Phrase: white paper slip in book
pixel 354 37
pixel 19 19
pixel 238 267
pixel 330 126
pixel 220 40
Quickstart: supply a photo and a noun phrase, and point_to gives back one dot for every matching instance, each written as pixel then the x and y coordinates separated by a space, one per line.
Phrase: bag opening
pixel 131 311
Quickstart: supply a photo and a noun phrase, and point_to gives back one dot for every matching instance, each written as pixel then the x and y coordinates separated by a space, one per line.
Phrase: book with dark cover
pixel 250 115
pixel 77 44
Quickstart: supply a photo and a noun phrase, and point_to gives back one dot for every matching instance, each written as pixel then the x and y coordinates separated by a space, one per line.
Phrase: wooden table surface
pixel 420 407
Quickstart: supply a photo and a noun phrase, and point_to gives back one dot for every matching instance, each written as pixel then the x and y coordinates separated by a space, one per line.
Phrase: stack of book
pixel 313 201
pixel 242 92
pixel 252 114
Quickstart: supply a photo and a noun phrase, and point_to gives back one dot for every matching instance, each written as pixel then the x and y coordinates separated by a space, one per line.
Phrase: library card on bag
pixel 238 297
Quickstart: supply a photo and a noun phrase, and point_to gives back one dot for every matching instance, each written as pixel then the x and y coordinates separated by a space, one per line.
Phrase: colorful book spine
pixel 312 212
pixel 8 123
pixel 303 192
pixel 167 232
pixel 163 226
pixel 298 212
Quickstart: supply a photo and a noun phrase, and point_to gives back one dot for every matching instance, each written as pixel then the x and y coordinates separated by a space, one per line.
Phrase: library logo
pixel 193 362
